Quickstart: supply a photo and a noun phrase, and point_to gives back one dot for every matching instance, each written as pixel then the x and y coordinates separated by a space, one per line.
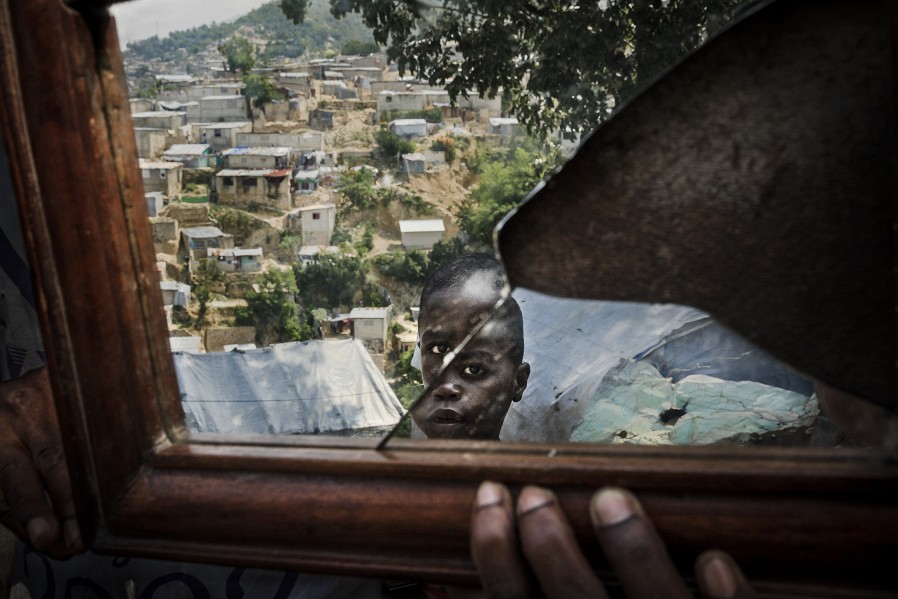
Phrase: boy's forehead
pixel 479 288
pixel 454 304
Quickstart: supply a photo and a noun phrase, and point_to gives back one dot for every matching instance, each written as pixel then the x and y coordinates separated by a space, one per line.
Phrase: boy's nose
pixel 447 390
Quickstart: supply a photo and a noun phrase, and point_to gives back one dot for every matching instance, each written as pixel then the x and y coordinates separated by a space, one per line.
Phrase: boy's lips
pixel 445 416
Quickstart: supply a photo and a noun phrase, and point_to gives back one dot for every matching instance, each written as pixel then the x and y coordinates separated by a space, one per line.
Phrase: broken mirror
pixel 739 205
pixel 301 192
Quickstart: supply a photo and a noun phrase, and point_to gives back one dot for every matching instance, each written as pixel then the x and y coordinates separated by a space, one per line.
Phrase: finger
pixel 633 547
pixel 47 454
pixel 25 510
pixel 494 544
pixel 551 549
pixel 34 415
pixel 719 577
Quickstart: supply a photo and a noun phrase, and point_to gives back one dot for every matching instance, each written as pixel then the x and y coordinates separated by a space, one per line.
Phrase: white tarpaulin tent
pixel 289 388
pixel 572 345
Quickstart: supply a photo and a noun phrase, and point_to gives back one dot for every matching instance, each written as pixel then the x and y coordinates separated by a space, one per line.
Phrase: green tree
pixel 335 281
pixel 295 10
pixel 443 251
pixel 366 243
pixel 273 310
pixel 561 65
pixel 409 266
pixel 235 222
pixel 239 54
pixel 392 144
pixel 260 89
pixel 504 183
pixel 360 48
pixel 358 188
pixel 445 145
pixel 206 274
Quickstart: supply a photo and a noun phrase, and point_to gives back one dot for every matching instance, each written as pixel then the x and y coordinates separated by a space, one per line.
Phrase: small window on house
pixel 316 216
pixel 250 182
pixel 162 174
pixel 389 99
pixel 217 133
pixel 228 181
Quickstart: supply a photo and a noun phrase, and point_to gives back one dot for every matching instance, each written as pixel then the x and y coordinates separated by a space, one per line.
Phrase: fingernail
pixel 719 578
pixel 38 529
pixel 534 498
pixel 72 533
pixel 611 506
pixel 489 494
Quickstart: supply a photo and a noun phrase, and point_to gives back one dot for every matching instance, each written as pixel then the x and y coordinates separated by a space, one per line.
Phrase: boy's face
pixel 472 396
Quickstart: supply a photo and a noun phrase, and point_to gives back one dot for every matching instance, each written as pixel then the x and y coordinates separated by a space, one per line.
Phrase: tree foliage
pixel 283 37
pixel 235 222
pixel 260 89
pixel 273 310
pixel 336 281
pixel 562 65
pixel 360 48
pixel 392 144
pixel 504 183
pixel 357 187
pixel 239 54
pixel 409 266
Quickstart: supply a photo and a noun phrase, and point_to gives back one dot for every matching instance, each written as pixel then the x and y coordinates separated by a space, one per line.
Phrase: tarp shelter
pixel 311 387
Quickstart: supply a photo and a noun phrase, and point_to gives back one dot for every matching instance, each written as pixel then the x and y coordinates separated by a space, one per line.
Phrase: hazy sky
pixel 140 19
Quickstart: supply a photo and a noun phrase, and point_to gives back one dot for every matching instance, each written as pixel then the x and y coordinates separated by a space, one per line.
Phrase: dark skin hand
pixel 533 541
pixel 35 492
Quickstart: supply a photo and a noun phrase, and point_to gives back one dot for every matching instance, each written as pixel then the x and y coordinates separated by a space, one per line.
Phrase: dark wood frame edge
pixel 145 488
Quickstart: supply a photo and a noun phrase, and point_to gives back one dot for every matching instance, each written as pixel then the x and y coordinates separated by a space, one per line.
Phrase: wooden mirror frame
pixel 800 521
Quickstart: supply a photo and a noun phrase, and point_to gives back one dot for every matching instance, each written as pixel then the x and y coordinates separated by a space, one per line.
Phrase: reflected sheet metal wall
pixel 659 374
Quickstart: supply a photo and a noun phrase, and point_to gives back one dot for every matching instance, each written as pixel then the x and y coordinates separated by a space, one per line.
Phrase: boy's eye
pixel 439 348
pixel 472 370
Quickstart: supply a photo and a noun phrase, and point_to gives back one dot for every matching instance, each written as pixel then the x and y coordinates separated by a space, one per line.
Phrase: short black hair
pixel 457 272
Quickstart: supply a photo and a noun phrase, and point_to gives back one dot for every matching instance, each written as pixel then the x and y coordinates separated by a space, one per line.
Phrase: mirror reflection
pixel 315 210
pixel 606 372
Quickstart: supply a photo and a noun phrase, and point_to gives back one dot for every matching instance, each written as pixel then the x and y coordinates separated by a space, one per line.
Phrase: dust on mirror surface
pixel 300 191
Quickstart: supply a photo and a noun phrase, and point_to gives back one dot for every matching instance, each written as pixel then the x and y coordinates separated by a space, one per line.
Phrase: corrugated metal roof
pixel 323 206
pixel 422 226
pixel 156 114
pixel 257 151
pixel 503 121
pixel 187 150
pixel 231 125
pixel 369 313
pixel 202 232
pixel 158 164
pixel 222 97
pixel 176 78
pixel 408 122
pixel 245 172
pixel 309 175
pixel 174 286
pixel 234 251
pixel 415 156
